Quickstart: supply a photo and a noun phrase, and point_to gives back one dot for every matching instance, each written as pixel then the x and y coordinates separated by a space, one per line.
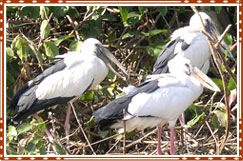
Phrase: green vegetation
pixel 136 36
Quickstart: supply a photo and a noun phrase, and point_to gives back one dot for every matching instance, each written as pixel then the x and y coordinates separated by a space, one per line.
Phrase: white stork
pixel 188 42
pixel 65 81
pixel 157 101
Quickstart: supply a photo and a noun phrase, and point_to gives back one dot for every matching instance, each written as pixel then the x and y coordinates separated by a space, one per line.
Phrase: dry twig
pixel 212 48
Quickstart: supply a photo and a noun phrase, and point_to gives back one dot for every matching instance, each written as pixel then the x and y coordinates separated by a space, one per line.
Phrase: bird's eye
pixel 187 65
pixel 188 69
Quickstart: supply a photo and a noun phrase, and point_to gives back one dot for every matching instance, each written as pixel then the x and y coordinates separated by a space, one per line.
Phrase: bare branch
pixel 212 48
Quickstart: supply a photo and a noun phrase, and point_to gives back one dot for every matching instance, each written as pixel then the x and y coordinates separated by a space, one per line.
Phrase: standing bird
pixel 65 81
pixel 157 101
pixel 188 42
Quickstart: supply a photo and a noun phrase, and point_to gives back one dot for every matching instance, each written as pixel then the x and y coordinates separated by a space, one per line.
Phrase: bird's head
pixel 182 66
pixel 195 23
pixel 94 46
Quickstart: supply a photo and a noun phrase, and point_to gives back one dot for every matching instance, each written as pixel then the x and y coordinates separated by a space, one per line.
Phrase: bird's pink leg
pixel 182 119
pixel 182 122
pixel 159 140
pixel 172 140
pixel 67 120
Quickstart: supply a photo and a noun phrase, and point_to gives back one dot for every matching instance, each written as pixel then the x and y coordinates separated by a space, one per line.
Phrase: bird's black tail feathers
pixel 112 112
pixel 15 99
pixel 39 105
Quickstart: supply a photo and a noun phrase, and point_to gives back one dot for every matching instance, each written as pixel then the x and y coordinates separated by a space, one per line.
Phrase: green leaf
pixel 11 11
pixel 87 96
pixel 92 28
pixel 10 54
pixel 75 46
pixel 221 116
pixel 59 149
pixel 163 10
pixel 132 19
pixel 12 132
pixel 42 150
pixel 13 68
pixel 109 17
pixel 155 48
pixel 24 128
pixel 231 85
pixel 142 9
pixel 222 67
pixel 21 47
pixel 36 139
pixel 30 147
pixel 195 120
pixel 103 134
pixel 44 11
pixel 155 32
pixel 51 49
pixel 73 12
pixel 215 122
pixel 32 12
pixel 59 11
pixel 111 88
pixel 124 13
pixel 130 135
pixel 91 122
pixel 228 39
pixel 44 29
pixel 10 79
pixel 130 34
pixel 218 82
pixel 11 151
pixel 41 127
pixel 62 38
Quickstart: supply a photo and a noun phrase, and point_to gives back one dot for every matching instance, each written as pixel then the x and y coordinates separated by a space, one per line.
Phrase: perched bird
pixel 159 100
pixel 65 81
pixel 189 42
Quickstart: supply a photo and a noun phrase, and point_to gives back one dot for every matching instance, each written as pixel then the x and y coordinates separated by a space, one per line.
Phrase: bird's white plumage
pixel 128 89
pixel 81 70
pixel 199 51
pixel 166 103
pixel 173 101
pixel 175 94
pixel 196 23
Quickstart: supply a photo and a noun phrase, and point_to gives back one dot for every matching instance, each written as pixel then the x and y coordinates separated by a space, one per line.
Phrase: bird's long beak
pixel 112 58
pixel 204 79
pixel 214 33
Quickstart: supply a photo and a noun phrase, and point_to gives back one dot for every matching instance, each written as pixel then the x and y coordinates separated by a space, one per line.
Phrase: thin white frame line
pixel 122 158
pixel 1 111
pixel 69 4
pixel 240 80
pixel 5 80
pixel 238 76
pixel 123 4
pixel 123 1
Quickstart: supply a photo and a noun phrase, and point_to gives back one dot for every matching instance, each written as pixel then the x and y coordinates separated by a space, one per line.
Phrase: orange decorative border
pixel 3 3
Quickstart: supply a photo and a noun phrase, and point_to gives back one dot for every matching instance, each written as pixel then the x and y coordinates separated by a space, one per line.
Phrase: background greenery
pixel 135 35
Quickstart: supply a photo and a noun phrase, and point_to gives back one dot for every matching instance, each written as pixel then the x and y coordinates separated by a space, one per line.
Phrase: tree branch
pixel 212 48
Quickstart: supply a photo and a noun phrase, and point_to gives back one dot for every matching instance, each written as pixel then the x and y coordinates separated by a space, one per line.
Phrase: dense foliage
pixel 135 35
